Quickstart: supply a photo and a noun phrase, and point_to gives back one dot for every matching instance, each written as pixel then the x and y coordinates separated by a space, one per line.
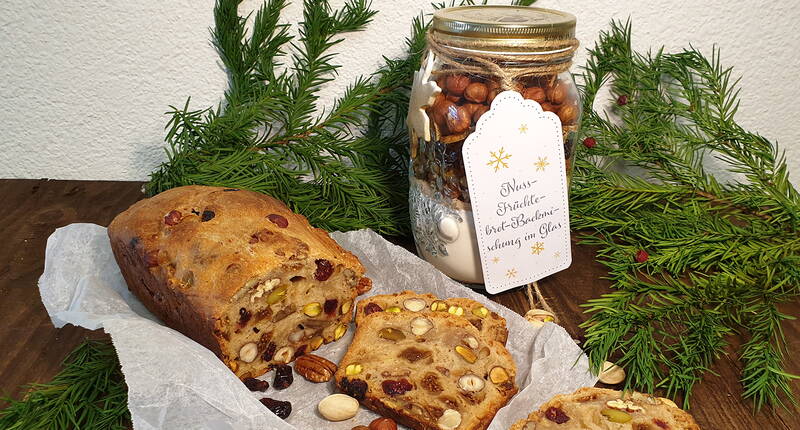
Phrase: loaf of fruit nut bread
pixel 427 371
pixel 603 409
pixel 491 325
pixel 238 272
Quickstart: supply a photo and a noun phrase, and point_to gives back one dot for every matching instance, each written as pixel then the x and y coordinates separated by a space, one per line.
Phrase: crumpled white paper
pixel 174 383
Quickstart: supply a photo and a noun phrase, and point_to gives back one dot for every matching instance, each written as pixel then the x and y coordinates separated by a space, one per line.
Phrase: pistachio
pixel 393 309
pixel 248 352
pixel 353 369
pixel 338 407
pixel 466 354
pixel 312 309
pixel 498 375
pixel 420 326
pixel 455 310
pixel 438 306
pixel 341 329
pixel 539 315
pixel 616 416
pixel 449 420
pixel 414 305
pixel 346 306
pixel 315 342
pixel 471 382
pixel 276 294
pixel 610 373
pixel 480 312
pixel 391 334
pixel 284 355
pixel 471 342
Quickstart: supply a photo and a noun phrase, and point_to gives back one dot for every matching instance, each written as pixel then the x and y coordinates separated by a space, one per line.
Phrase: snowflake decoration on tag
pixel 423 93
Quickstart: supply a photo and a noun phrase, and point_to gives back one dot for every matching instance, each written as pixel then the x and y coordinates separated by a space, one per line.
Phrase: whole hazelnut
pixel 536 94
pixel 478 113
pixel 492 94
pixel 557 93
pixel 456 84
pixel 476 92
pixel 568 113
pixel 549 107
pixel 383 424
pixel 457 119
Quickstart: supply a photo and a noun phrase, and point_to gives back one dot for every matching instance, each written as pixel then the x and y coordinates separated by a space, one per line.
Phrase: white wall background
pixel 84 84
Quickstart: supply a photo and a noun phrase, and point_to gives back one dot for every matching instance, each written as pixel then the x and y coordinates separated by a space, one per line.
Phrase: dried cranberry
pixel 641 256
pixel 589 142
pixel 330 306
pixel 278 220
pixel 300 351
pixel 254 384
pixel 207 216
pixel 371 308
pixel 244 316
pixel 660 423
pixel 556 415
pixel 356 388
pixel 395 388
pixel 324 270
pixel 279 408
pixel 283 377
pixel 172 218
pixel 269 352
pixel 622 100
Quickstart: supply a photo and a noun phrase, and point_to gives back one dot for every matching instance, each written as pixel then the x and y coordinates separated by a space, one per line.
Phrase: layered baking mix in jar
pixel 473 54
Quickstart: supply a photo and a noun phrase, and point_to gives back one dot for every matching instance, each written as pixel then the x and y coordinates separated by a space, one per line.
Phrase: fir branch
pixel 89 393
pixel 722 257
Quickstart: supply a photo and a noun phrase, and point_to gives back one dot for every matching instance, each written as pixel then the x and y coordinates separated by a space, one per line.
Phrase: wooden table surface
pixel 31 349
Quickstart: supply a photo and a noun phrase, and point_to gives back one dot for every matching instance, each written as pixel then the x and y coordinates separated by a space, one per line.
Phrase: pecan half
pixel 314 368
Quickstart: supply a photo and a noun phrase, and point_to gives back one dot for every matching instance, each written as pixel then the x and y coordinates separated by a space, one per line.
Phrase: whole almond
pixel 314 368
pixel 383 424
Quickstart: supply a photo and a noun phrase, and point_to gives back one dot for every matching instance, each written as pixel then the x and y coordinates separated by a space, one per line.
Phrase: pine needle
pixel 722 257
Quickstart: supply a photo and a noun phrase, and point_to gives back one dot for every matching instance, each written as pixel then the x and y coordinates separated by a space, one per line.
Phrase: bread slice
pixel 427 370
pixel 238 272
pixel 603 409
pixel 490 324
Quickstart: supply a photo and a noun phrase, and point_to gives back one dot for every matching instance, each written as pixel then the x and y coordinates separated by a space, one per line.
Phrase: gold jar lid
pixel 504 22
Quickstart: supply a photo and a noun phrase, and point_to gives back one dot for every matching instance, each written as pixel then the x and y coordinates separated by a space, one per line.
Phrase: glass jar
pixel 473 54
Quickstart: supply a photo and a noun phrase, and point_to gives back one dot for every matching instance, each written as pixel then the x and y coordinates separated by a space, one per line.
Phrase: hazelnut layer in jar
pixel 474 54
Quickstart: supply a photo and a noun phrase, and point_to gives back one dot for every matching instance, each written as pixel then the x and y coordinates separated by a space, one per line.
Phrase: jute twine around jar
pixel 536 300
pixel 548 57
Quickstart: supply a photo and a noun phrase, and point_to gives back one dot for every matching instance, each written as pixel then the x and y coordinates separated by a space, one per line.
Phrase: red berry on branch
pixel 641 256
pixel 589 142
pixel 622 100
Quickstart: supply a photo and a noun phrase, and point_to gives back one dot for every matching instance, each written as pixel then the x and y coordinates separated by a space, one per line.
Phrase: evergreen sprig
pixel 720 258
pixel 268 136
pixel 89 393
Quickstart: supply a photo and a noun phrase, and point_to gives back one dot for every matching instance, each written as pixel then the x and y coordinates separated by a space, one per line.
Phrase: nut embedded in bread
pixel 448 377
pixel 603 409
pixel 238 272
pixel 490 324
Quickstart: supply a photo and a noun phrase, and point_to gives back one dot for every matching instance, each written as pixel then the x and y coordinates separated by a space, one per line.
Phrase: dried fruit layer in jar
pixel 490 324
pixel 463 101
pixel 448 377
pixel 604 409
pixel 238 272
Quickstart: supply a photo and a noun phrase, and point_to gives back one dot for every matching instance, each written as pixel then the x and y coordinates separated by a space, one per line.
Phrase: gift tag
pixel 517 180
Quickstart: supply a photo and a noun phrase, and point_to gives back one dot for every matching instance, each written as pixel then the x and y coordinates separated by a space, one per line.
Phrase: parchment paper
pixel 174 383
